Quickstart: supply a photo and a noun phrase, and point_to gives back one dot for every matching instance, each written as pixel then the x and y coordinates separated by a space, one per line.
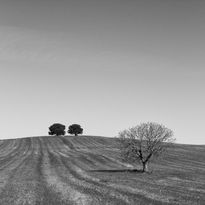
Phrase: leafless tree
pixel 143 142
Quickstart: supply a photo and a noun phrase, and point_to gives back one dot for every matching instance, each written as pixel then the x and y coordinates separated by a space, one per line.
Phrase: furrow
pixel 54 181
pixel 22 185
pixel 88 185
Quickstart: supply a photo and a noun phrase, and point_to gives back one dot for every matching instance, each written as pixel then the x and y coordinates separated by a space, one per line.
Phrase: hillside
pixel 87 170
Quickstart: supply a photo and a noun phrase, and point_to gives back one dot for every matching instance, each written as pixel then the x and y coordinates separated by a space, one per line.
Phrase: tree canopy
pixel 75 129
pixel 57 129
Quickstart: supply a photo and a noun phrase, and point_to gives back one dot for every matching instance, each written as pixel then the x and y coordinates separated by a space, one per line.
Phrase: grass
pixel 88 170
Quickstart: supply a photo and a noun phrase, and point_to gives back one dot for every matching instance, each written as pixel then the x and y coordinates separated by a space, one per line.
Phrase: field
pixel 87 170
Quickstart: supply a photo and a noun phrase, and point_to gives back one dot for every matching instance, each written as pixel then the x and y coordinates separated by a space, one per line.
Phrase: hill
pixel 87 170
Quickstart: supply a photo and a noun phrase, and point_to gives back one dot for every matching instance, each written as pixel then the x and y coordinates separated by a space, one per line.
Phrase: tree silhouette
pixel 75 129
pixel 57 129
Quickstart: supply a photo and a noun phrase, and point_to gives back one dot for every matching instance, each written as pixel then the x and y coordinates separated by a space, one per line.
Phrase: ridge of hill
pixel 87 170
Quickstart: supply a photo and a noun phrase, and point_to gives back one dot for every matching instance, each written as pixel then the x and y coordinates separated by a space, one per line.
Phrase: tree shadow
pixel 117 170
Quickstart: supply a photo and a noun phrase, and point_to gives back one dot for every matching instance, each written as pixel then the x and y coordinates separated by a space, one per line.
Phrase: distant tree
pixel 144 142
pixel 75 129
pixel 57 129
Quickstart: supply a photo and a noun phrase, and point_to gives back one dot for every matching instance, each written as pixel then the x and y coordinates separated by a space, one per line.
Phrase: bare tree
pixel 143 142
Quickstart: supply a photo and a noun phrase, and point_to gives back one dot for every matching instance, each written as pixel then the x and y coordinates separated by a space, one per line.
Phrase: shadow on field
pixel 116 170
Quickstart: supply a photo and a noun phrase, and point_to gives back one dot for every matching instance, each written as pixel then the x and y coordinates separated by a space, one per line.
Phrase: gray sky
pixel 107 65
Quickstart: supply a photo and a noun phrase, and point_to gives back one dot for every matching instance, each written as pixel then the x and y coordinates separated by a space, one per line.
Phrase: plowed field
pixel 87 170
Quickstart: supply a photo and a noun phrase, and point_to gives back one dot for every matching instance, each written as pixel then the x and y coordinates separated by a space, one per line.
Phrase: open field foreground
pixel 87 170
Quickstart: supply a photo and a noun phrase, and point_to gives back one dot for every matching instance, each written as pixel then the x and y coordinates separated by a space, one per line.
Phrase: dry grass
pixel 87 170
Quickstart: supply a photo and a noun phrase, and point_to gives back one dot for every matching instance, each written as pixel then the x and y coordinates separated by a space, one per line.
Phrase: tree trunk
pixel 145 167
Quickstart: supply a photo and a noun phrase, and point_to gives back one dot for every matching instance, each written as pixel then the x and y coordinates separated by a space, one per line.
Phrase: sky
pixel 106 65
